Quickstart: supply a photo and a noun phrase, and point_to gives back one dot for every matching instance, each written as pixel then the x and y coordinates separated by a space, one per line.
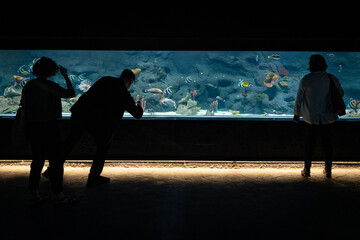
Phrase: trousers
pixel 312 133
pixel 101 133
pixel 45 141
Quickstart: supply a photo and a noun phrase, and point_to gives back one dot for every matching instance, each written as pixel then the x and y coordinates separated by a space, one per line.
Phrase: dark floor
pixel 186 203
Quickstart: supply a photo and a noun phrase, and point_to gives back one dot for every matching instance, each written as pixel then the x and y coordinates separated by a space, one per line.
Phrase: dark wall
pixel 272 25
pixel 202 140
pixel 309 25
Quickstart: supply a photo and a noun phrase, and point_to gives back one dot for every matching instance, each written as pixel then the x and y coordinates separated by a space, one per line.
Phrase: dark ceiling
pixel 183 20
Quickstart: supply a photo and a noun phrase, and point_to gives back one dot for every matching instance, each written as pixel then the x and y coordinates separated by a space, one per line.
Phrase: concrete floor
pixel 253 201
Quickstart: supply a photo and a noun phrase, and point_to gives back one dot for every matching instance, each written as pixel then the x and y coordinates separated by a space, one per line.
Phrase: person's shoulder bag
pixel 18 131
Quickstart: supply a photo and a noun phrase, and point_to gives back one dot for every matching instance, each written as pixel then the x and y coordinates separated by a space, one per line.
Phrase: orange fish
pixel 18 79
pixel 153 90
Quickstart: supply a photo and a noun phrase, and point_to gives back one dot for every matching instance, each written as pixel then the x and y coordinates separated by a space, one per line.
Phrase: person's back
pixel 317 107
pixel 313 103
pixel 42 98
pixel 98 111
pixel 107 99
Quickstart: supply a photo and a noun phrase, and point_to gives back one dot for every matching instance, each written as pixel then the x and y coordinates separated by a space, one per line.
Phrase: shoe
pixel 97 180
pixel 36 201
pixel 327 173
pixel 305 172
pixel 64 201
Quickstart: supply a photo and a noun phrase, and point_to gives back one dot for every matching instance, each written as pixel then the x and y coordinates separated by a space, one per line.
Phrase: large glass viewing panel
pixel 189 84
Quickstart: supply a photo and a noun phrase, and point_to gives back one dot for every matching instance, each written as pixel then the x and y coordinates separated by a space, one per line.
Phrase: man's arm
pixel 135 109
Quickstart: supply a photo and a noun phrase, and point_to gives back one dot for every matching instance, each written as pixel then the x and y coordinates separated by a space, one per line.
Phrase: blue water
pixel 235 77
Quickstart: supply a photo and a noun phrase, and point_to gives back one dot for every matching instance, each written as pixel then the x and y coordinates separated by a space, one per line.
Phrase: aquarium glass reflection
pixel 182 84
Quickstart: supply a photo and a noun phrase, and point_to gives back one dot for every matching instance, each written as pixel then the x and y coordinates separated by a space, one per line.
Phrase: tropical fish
pixel 211 85
pixel 136 71
pixel 243 84
pixel 188 79
pixel 35 60
pixel 153 90
pixel 20 81
pixel 84 86
pixel 291 103
pixel 354 104
pixel 72 77
pixel 340 68
pixel 150 111
pixel 220 99
pixel 81 77
pixel 168 102
pixel 284 83
pixel 244 95
pixel 236 113
pixel 274 56
pixel 265 114
pixel 168 90
pixel 24 82
pixel 22 70
pixel 13 110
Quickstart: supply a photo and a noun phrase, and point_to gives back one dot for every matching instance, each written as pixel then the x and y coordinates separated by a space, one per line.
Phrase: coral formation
pixel 189 109
pixel 270 79
pixel 283 72
pixel 259 97
pixel 12 92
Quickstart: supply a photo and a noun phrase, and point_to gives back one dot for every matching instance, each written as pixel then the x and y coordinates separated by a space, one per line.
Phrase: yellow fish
pixel 245 84
pixel 136 71
pixel 234 112
pixel 22 70
pixel 18 78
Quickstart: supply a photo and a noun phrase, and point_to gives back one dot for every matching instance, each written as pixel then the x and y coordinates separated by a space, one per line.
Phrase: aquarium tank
pixel 188 84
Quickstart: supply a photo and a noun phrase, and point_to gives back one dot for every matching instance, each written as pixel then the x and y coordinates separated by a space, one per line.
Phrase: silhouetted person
pixel 98 111
pixel 313 103
pixel 41 100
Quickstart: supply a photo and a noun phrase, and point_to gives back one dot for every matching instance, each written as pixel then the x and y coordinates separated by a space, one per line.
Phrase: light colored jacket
pixel 313 100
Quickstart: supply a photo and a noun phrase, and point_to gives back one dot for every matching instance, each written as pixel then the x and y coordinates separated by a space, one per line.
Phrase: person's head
pixel 317 63
pixel 45 68
pixel 128 77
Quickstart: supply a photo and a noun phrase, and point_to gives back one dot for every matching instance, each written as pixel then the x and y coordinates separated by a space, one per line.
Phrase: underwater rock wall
pixel 233 79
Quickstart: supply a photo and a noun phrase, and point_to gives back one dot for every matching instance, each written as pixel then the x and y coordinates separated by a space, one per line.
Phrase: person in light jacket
pixel 313 103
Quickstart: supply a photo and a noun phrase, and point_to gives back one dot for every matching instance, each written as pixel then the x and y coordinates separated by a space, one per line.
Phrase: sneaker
pixel 97 180
pixel 327 173
pixel 305 172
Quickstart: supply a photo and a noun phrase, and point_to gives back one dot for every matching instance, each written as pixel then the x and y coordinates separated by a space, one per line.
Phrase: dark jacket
pixel 105 103
pixel 41 99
